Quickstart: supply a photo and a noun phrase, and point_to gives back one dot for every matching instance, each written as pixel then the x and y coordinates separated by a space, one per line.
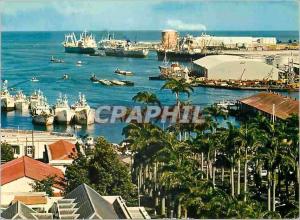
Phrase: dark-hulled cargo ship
pixel 85 45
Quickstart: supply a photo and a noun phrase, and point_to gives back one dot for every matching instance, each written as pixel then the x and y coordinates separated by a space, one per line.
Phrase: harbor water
pixel 27 54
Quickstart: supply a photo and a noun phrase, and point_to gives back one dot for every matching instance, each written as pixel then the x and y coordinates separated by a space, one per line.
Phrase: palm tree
pixel 146 97
pixel 177 87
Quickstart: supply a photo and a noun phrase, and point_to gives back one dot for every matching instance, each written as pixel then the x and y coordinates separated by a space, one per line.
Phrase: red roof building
pixel 264 102
pixel 62 150
pixel 30 168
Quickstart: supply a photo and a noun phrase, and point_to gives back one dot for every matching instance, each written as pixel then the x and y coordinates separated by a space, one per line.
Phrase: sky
pixel 211 15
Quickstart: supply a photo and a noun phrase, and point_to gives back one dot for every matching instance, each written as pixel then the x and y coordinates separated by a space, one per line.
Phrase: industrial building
pixel 233 42
pixel 228 67
pixel 270 104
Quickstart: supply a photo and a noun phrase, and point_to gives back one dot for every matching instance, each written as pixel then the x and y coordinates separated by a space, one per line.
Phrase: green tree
pixel 45 185
pixel 7 153
pixel 103 171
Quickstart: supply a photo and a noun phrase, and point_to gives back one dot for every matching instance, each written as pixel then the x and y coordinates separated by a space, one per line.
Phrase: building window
pixel 29 150
pixel 16 149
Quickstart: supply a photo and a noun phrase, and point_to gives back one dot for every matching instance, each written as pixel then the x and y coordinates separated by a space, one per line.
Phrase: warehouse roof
pixel 284 106
pixel 214 60
pixel 229 67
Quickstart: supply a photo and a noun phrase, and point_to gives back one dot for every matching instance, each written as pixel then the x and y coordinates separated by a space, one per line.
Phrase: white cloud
pixel 180 25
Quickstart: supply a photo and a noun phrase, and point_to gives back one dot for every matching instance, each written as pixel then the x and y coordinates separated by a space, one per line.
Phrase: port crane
pixel 242 74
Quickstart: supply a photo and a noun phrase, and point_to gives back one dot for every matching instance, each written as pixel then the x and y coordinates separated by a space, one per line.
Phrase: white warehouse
pixel 228 67
pixel 232 42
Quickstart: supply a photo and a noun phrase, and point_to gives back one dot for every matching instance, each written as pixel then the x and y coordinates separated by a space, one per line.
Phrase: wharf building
pixel 228 67
pixel 273 105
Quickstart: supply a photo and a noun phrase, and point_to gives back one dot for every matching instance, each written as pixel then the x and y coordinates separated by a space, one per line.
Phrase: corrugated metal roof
pixel 90 203
pixel 18 209
pixel 284 106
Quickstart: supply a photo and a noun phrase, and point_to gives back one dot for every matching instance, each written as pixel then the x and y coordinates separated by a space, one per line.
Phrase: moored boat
pixel 123 72
pixel 62 111
pixel 35 99
pixel 7 100
pixel 42 113
pixel 21 101
pixel 84 115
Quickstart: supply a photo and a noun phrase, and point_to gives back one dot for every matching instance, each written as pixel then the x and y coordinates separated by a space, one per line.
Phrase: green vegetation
pixel 250 171
pixel 103 170
pixel 44 185
pixel 7 153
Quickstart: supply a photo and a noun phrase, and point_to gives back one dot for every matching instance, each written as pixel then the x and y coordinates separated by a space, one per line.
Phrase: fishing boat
pixel 42 113
pixel 79 63
pixel 35 99
pixel 84 115
pixel 21 101
pixel 123 72
pixel 7 100
pixel 62 111
pixel 105 82
pixel 55 60
pixel 85 45
pixel 43 118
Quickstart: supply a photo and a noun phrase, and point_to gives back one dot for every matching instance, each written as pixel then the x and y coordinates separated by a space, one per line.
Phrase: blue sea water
pixel 27 54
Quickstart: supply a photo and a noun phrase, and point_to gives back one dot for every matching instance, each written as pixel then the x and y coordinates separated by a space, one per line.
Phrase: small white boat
pixel 225 104
pixel 79 63
pixel 34 79
pixel 65 77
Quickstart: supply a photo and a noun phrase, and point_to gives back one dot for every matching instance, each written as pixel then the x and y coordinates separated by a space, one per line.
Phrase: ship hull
pixel 180 56
pixel 43 119
pixel 7 104
pixel 64 116
pixel 22 106
pixel 85 117
pixel 126 53
pixel 81 50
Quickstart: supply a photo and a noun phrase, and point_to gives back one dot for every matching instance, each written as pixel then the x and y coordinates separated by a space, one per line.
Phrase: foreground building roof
pixel 28 167
pixel 20 211
pixel 284 105
pixel 91 205
pixel 31 200
pixel 62 150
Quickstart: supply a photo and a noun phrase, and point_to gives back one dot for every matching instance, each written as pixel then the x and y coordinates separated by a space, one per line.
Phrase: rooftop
pixel 31 200
pixel 62 150
pixel 284 106
pixel 28 167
